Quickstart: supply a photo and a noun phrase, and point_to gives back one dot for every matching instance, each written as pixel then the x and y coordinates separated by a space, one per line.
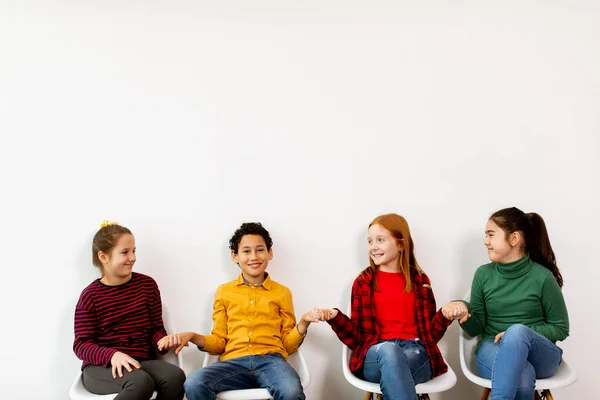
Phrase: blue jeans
pixel 514 363
pixel 397 365
pixel 270 371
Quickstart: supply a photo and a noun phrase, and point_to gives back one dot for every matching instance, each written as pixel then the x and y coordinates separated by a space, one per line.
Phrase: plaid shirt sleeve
pixel 347 329
pixel 439 323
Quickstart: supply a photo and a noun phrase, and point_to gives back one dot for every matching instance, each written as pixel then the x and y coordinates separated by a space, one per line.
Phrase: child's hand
pixel 184 339
pixel 456 310
pixel 313 315
pixel 498 337
pixel 325 314
pixel 120 360
pixel 169 342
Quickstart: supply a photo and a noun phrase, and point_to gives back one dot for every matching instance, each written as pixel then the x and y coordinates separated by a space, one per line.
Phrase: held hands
pixel 319 314
pixel 120 360
pixel 169 342
pixel 328 313
pixel 456 310
pixel 184 339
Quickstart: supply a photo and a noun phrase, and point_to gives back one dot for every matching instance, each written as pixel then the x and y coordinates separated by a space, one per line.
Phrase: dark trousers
pixel 167 379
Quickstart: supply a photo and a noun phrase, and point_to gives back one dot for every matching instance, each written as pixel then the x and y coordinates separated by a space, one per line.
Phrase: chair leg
pixel 424 396
pixel 547 395
pixel 379 396
pixel 368 396
pixel 485 394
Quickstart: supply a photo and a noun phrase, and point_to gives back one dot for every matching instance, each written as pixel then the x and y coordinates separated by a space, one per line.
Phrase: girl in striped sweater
pixel 119 327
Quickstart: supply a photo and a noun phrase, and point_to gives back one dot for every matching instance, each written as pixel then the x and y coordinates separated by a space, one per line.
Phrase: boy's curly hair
pixel 249 228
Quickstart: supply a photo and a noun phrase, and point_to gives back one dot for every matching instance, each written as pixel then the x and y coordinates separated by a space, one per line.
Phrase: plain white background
pixel 181 120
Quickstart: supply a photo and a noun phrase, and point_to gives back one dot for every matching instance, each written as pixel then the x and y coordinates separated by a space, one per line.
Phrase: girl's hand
pixel 327 313
pixel 456 310
pixel 120 360
pixel 498 337
pixel 313 315
pixel 169 342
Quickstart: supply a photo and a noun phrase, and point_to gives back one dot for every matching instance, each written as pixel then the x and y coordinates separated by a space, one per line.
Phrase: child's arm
pixel 314 315
pixel 157 327
pixel 556 327
pixel 347 329
pixel 84 345
pixel 291 334
pixel 476 323
pixel 439 322
pixel 215 342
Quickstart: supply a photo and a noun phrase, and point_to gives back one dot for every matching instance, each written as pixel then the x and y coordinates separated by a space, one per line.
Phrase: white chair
pixel 438 384
pixel 79 392
pixel 563 377
pixel 296 360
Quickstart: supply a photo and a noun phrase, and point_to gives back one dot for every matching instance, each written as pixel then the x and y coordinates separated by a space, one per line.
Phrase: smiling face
pixel 118 264
pixel 383 248
pixel 502 247
pixel 253 258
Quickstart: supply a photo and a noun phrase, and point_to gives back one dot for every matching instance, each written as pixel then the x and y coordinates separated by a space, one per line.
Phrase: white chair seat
pixel 296 360
pixel 438 384
pixel 79 392
pixel 563 377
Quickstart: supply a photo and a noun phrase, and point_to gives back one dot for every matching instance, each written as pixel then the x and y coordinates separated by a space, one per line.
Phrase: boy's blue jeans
pixel 397 365
pixel 270 371
pixel 514 363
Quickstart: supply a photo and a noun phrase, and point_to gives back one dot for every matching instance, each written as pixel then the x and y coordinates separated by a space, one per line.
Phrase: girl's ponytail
pixel 538 245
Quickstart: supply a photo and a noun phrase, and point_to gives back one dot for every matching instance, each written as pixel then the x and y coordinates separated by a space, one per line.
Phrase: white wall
pixel 181 120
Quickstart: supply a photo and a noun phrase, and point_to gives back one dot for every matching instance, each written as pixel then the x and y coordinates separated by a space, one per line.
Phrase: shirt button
pixel 249 333
pixel 249 345
pixel 251 301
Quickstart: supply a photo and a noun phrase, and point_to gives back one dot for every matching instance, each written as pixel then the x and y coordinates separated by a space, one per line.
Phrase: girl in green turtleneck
pixel 516 306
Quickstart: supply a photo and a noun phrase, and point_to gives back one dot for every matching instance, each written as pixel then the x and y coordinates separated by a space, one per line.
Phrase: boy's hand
pixel 184 339
pixel 120 360
pixel 325 314
pixel 313 315
pixel 169 342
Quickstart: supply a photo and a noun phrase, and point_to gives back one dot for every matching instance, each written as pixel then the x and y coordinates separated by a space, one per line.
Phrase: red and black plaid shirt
pixel 361 331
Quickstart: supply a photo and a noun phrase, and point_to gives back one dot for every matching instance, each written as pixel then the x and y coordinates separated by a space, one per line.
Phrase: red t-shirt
pixel 394 308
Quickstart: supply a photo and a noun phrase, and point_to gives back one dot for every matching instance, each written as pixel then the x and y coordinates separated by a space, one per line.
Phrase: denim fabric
pixel 514 363
pixel 270 371
pixel 397 365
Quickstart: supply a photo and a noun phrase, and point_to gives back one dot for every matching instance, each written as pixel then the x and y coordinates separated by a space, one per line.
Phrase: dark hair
pixel 105 240
pixel 249 228
pixel 535 235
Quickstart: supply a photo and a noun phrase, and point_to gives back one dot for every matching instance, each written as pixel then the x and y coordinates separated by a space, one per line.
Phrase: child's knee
pixel 290 389
pixel 517 331
pixel 140 384
pixel 388 349
pixel 194 380
pixel 176 376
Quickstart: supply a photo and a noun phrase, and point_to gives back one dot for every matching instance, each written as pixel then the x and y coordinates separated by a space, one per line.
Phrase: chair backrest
pixel 467 345
pixel 169 324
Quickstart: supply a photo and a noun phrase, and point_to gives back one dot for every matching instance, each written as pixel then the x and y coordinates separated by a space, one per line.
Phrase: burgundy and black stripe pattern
pixel 125 318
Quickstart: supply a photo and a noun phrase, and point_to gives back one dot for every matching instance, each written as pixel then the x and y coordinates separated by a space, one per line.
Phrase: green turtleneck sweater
pixel 521 292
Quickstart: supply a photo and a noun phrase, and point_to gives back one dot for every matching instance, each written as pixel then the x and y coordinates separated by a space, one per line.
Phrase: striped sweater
pixel 125 318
